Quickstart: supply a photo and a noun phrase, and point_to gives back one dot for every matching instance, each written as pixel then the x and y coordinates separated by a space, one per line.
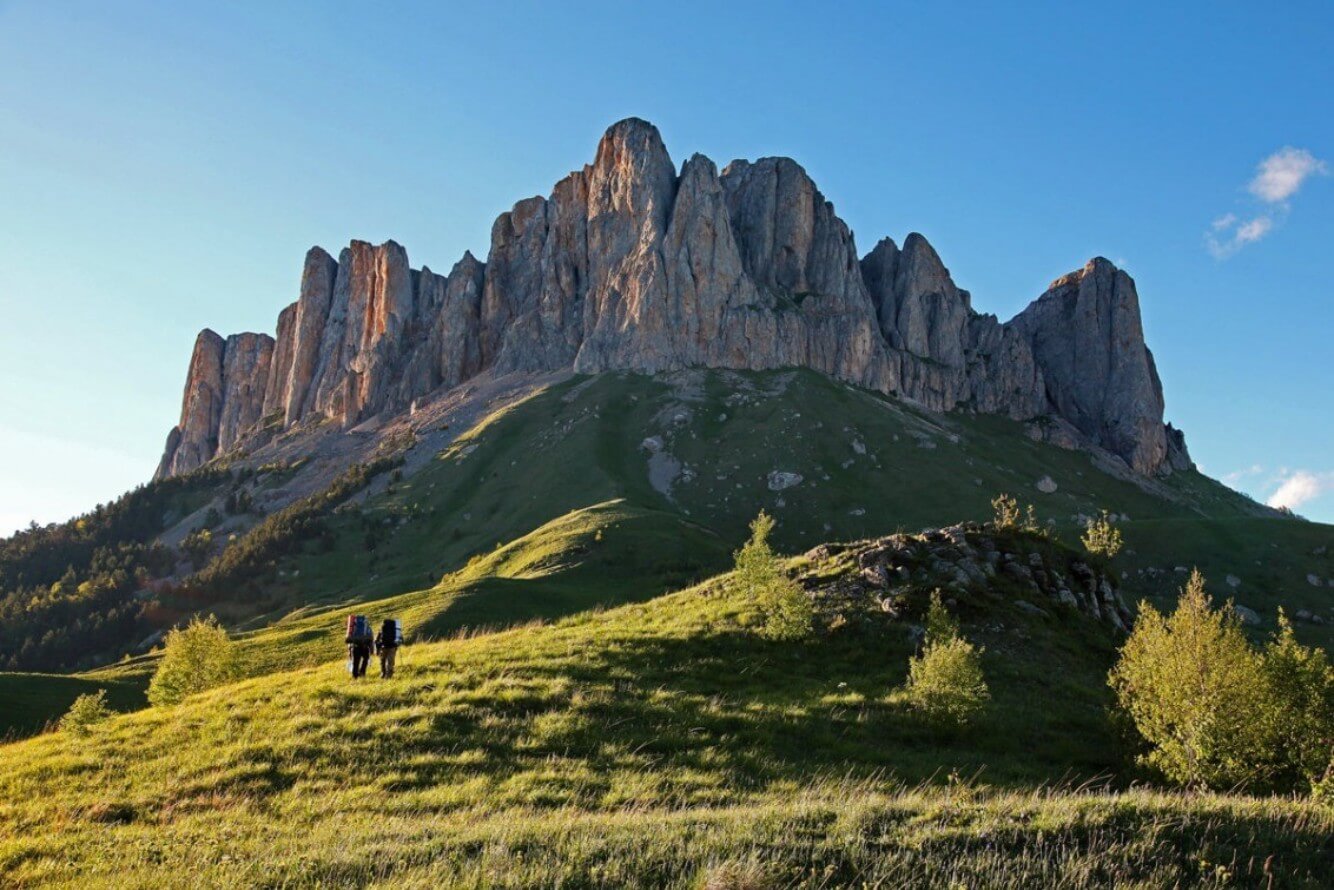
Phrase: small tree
pixel 197 545
pixel 1300 718
pixel 197 657
pixel 1005 512
pixel 941 626
pixel 788 612
pixel 87 711
pixel 945 682
pixel 1101 537
pixel 1195 690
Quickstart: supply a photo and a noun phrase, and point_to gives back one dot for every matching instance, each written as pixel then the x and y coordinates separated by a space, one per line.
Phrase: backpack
pixel 358 629
pixel 391 632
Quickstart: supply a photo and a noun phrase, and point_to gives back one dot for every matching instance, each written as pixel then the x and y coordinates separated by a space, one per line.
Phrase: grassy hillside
pixel 670 469
pixel 869 466
pixel 657 743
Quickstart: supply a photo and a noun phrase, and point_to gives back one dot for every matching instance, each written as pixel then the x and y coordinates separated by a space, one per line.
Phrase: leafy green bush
pixel 1300 713
pixel 945 682
pixel 1101 537
pixel 788 612
pixel 87 711
pixel 1216 711
pixel 197 657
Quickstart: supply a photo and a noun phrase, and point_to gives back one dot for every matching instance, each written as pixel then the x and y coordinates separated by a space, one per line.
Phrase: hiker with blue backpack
pixel 359 642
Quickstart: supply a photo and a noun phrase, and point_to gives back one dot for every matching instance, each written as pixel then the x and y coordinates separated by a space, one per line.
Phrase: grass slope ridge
pixel 685 461
pixel 657 743
pixel 703 445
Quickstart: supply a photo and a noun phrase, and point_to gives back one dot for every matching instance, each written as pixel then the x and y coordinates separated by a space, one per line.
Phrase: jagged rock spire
pixel 630 265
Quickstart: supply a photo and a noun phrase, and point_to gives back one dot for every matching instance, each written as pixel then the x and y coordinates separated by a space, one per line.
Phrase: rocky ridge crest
pixel 630 265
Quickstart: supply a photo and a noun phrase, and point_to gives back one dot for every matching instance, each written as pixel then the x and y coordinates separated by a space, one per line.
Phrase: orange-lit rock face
pixel 629 264
pixel 224 398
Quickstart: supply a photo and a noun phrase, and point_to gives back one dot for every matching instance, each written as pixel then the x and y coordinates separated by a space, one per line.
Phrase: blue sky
pixel 164 167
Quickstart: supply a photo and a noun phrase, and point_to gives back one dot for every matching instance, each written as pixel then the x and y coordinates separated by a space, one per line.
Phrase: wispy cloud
pixel 1277 179
pixel 1236 477
pixel 1230 235
pixel 1301 487
pixel 1281 174
pixel 1282 486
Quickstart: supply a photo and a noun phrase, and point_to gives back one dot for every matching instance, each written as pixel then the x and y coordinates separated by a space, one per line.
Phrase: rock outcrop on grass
pixel 632 265
pixel 892 577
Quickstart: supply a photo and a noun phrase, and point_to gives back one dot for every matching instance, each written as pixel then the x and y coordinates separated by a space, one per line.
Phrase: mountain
pixel 695 346
pixel 631 265
pixel 543 466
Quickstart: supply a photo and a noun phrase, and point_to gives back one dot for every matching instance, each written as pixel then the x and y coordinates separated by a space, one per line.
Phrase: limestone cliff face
pixel 1087 337
pixel 224 398
pixel 632 265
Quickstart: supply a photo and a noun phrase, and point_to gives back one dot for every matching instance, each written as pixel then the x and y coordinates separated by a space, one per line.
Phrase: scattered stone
pixel 1026 606
pixel 779 480
pixel 1046 485
pixel 1233 581
pixel 1313 580
pixel 1247 615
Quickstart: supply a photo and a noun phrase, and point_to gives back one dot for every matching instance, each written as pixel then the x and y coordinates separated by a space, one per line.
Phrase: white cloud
pixel 1230 234
pixel 1301 487
pixel 1253 230
pixel 1277 178
pixel 1280 175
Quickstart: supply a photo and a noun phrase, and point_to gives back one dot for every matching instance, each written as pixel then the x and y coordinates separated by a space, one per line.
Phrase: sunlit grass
pixel 644 745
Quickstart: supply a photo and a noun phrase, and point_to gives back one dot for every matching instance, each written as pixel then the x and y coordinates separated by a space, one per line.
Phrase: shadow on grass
pixel 722 711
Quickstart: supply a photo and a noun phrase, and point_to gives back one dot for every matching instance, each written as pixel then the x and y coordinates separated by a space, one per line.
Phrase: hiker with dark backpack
pixel 358 644
pixel 387 642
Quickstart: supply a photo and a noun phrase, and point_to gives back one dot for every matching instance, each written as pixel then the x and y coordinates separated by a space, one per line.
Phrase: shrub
pixel 1007 517
pixel 87 711
pixel 1005 512
pixel 788 612
pixel 945 682
pixel 197 657
pixel 1300 731
pixel 1195 690
pixel 1101 537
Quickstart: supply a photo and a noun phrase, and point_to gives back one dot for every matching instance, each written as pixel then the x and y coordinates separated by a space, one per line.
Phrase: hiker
pixel 360 653
pixel 387 642
pixel 359 642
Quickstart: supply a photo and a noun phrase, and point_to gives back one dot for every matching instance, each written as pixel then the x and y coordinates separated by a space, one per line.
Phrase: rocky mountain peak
pixel 1087 334
pixel 630 265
